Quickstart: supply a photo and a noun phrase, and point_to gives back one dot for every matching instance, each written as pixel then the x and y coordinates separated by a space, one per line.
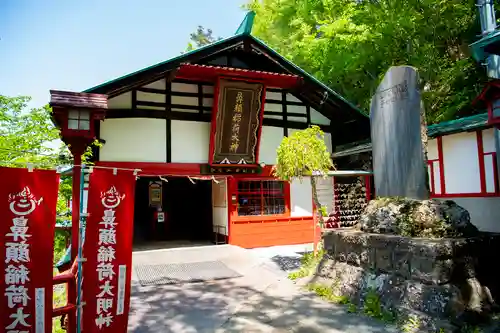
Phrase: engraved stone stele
pixel 398 159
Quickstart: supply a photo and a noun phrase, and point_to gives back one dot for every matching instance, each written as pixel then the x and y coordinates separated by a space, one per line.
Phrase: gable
pixel 245 51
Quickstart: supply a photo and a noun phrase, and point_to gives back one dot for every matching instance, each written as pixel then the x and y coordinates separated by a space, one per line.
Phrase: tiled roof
pixel 243 32
pixel 75 99
pixel 444 128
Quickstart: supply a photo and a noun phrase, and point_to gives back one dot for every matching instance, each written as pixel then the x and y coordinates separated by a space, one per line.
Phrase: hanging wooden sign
pixel 206 169
pixel 155 191
pixel 236 122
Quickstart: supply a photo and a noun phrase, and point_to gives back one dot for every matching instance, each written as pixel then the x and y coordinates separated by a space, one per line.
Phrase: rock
pixel 417 218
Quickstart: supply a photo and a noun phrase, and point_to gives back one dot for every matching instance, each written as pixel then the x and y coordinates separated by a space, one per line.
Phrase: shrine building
pixel 203 129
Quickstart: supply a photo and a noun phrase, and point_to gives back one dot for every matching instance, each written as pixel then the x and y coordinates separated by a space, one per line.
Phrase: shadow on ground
pixel 232 306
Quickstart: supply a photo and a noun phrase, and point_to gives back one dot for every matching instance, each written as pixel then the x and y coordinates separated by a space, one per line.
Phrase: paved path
pixel 263 300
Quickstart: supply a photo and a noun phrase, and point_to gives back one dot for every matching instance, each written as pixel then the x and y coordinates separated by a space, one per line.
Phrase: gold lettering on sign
pixel 238 109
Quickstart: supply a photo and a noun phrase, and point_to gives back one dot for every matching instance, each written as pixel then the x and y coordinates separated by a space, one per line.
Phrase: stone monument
pixel 398 154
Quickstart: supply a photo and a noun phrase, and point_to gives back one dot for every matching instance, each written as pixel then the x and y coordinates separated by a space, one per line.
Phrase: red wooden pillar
pixel 368 189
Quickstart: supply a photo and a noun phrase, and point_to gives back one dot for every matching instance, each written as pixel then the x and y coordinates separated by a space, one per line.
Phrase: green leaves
pixel 350 45
pixel 301 154
pixel 25 135
pixel 200 38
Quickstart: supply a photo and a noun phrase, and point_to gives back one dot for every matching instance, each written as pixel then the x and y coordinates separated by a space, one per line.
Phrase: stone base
pixel 432 279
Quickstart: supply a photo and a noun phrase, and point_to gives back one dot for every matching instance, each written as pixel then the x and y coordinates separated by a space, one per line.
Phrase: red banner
pixel 27 221
pixel 108 250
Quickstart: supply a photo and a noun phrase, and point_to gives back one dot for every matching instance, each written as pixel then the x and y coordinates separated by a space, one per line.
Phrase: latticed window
pixel 261 197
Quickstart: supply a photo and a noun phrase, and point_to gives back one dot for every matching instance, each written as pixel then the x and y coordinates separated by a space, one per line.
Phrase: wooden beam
pixel 172 106
pixel 308 115
pixel 179 80
pixel 168 121
pixel 187 116
pixel 156 114
pixel 174 93
pixel 274 90
pixel 200 99
pixel 285 115
pixel 289 114
pixel 133 101
pixel 279 101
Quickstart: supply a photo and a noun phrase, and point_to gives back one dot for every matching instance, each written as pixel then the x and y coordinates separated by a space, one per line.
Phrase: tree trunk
pixel 423 130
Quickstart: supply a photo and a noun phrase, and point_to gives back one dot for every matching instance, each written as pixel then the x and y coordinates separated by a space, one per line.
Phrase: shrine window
pixel 262 197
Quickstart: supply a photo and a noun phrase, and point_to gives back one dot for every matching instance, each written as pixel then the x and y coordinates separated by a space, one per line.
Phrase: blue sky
pixel 74 45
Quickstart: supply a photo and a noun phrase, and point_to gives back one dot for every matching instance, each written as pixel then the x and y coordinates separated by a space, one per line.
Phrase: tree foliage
pixel 25 135
pixel 201 37
pixel 304 153
pixel 28 135
pixel 350 44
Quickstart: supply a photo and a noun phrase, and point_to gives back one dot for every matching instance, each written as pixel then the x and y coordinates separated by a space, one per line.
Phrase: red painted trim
pixel 156 168
pixel 431 165
pixel 180 169
pixel 441 164
pixel 480 157
pixel 213 125
pixel 368 188
pixel 261 121
pixel 212 73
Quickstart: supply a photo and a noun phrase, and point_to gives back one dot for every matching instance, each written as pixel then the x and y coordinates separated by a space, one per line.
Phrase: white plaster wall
pixel 190 141
pixel 318 118
pixel 301 198
pixel 160 84
pixel 134 140
pixel 432 151
pixel 461 164
pixel 123 101
pixel 488 140
pixel 269 141
pixel 489 172
pixel 437 179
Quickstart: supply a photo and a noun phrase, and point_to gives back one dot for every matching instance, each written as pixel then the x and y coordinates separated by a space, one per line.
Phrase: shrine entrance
pixel 172 213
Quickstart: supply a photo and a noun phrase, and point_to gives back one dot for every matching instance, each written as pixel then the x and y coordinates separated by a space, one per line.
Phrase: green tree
pixel 350 44
pixel 201 37
pixel 304 153
pixel 26 135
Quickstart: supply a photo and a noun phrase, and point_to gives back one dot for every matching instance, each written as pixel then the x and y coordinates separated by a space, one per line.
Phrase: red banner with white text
pixel 108 251
pixel 27 221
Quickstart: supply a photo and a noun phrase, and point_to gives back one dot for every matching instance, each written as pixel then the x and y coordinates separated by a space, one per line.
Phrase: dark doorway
pixel 187 208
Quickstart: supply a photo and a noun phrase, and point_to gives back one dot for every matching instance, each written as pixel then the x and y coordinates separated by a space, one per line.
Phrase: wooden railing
pixel 68 311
